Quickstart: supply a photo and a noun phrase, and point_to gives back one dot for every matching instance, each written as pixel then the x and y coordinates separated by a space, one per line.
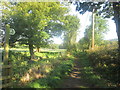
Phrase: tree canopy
pixel 101 27
pixel 106 9
pixel 30 19
pixel 72 25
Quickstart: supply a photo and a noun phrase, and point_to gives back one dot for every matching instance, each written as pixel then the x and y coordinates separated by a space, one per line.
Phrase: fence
pixel 5 76
pixel 5 79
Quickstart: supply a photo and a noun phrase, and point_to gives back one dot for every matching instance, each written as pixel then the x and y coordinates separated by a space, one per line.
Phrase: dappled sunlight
pixel 31 76
pixel 74 80
pixel 36 72
pixel 75 75
pixel 105 62
pixel 50 69
pixel 91 73
pixel 31 57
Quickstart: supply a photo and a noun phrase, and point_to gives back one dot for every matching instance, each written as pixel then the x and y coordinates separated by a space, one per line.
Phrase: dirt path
pixel 74 79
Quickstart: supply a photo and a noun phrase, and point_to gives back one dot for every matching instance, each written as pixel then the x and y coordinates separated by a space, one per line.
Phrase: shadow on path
pixel 74 79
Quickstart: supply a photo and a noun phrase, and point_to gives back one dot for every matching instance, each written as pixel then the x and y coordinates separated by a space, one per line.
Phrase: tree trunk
pixel 116 8
pixel 31 51
pixel 38 49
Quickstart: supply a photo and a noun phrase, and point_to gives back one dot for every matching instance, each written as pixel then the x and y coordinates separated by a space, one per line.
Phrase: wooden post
pixel 6 53
pixel 93 29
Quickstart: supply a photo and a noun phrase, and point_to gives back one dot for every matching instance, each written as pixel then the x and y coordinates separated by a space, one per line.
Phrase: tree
pixel 29 20
pixel 70 35
pixel 101 27
pixel 106 9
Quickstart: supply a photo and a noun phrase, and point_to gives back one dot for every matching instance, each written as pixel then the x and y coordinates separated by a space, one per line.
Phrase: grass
pixel 42 49
pixel 88 74
pixel 50 70
pixel 55 68
pixel 54 78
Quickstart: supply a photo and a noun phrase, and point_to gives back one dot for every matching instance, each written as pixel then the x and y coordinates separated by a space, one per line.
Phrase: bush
pixel 104 59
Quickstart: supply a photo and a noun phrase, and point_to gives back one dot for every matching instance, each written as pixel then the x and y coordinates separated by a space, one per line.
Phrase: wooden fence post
pixel 6 72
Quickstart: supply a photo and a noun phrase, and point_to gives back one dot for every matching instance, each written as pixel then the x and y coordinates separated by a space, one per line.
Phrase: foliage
pixel 23 46
pixel 98 6
pixel 105 9
pixel 54 46
pixel 70 35
pixel 101 27
pixel 30 19
pixel 53 69
pixel 105 61
pixel 88 75
pixel 55 77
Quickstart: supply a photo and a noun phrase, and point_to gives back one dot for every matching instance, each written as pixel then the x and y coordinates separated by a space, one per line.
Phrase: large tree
pixel 29 20
pixel 106 9
pixel 101 27
pixel 72 24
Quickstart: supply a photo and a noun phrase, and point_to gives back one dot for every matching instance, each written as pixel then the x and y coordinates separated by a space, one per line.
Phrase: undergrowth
pixel 55 77
pixel 106 62
pixel 87 72
pixel 52 70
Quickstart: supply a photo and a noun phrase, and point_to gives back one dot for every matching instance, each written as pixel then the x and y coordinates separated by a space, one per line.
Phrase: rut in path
pixel 74 79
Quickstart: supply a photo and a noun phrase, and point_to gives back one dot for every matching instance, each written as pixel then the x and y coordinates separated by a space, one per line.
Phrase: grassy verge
pixel 50 71
pixel 88 75
pixel 105 61
pixel 55 77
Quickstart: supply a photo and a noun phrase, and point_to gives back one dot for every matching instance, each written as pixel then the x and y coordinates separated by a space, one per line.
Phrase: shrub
pixel 104 59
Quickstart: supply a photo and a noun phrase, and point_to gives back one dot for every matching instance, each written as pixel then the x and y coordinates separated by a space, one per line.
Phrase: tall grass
pixel 105 61
pixel 43 73
pixel 88 75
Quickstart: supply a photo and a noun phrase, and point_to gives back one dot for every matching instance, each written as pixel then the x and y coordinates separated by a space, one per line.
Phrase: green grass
pixel 56 70
pixel 42 49
pixel 88 74
pixel 61 69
